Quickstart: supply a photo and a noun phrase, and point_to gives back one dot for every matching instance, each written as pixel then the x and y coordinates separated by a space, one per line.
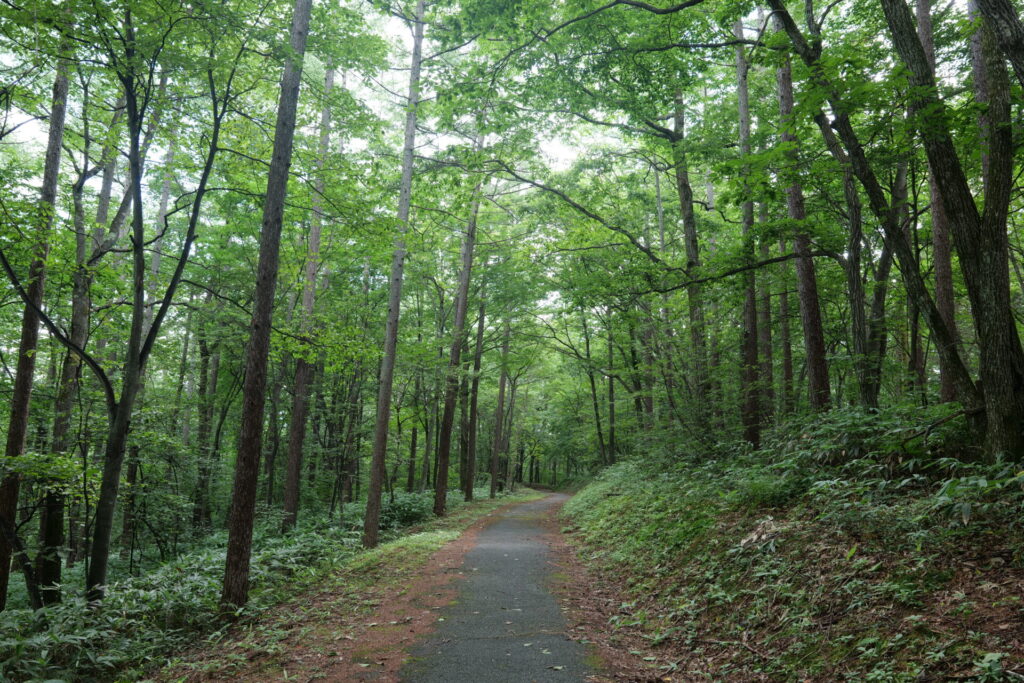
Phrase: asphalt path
pixel 506 625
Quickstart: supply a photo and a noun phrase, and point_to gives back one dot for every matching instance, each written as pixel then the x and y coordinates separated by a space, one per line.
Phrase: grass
pixel 748 566
pixel 353 588
pixel 144 620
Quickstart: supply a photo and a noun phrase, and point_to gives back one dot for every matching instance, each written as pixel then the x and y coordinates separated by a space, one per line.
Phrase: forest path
pixel 506 625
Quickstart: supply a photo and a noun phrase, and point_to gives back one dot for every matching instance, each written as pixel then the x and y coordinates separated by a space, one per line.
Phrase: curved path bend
pixel 506 625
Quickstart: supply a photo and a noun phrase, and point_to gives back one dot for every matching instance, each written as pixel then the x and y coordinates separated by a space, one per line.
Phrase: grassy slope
pixel 738 570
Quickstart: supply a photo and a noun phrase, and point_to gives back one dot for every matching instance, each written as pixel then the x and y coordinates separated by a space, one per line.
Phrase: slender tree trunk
pixel 274 433
pixel 855 290
pixel 611 394
pixel 694 292
pixel 807 281
pixel 451 385
pixel 410 482
pixel 21 394
pixel 473 398
pixel 499 412
pixel 243 498
pixel 467 368
pixel 941 251
pixel 764 336
pixel 303 369
pixel 750 412
pixel 140 339
pixel 589 360
pixel 786 342
pixel 371 523
pixel 209 369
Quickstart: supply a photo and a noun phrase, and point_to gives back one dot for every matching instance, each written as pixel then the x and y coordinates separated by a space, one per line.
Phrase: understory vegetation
pixel 150 616
pixel 854 548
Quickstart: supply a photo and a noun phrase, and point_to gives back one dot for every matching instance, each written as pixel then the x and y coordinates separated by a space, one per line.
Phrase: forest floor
pixel 494 594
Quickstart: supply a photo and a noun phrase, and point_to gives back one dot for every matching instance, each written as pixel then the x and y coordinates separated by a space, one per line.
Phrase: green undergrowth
pixel 317 616
pixel 145 618
pixel 843 550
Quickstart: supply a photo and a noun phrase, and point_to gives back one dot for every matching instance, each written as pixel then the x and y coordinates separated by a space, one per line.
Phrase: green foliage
pixel 145 618
pixel 835 551
pixel 406 509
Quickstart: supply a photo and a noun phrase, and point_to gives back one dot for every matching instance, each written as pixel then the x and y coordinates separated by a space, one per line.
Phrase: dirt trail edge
pixel 506 625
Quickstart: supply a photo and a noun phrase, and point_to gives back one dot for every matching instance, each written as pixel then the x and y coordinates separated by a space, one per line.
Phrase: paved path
pixel 505 626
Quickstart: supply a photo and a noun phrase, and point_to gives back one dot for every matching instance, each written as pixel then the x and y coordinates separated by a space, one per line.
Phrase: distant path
pixel 506 625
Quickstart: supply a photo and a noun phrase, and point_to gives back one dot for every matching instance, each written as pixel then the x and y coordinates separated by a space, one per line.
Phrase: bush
pixel 406 509
pixel 142 618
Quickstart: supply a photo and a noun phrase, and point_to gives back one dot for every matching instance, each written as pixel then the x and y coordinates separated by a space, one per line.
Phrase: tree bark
pixel 499 411
pixel 979 236
pixel 694 292
pixel 371 526
pixel 243 499
pixel 209 369
pixel 941 252
pixel 1008 30
pixel 371 521
pixel 764 336
pixel 818 386
pixel 750 409
pixel 474 392
pixel 786 342
pixel 451 386
pixel 28 342
pixel 589 360
pixel 303 369
pixel 611 395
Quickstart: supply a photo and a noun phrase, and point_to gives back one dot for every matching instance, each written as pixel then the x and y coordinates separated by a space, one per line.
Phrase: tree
pixel 10 544
pixel 371 524
pixel 243 498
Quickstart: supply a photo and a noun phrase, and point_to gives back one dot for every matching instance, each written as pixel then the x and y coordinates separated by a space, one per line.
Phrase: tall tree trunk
pixel 273 428
pixel 611 394
pixel 451 385
pixel 589 360
pixel 807 281
pixel 855 290
pixel 941 252
pixel 209 368
pixel 786 342
pixel 499 411
pixel 750 410
pixel 371 521
pixel 852 151
pixel 764 335
pixel 303 369
pixel 474 392
pixel 140 339
pixel 21 394
pixel 467 368
pixel 980 236
pixel 410 482
pixel 694 292
pixel 52 537
pixel 243 498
